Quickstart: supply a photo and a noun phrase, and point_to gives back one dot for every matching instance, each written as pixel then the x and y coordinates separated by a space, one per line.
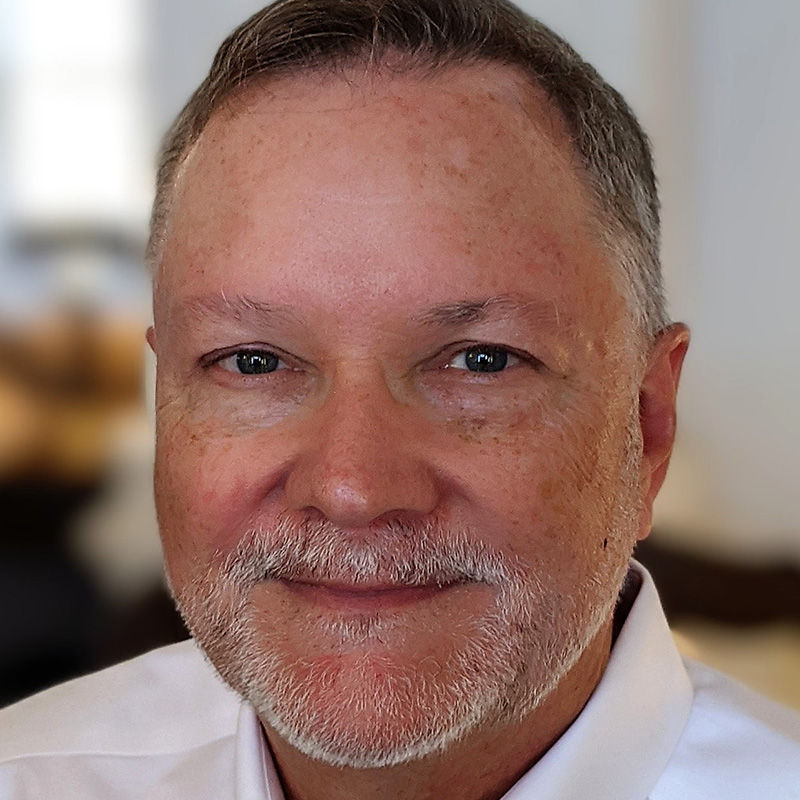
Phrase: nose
pixel 362 459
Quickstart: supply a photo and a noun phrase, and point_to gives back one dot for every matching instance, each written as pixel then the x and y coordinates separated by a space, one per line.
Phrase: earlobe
pixel 151 338
pixel 657 416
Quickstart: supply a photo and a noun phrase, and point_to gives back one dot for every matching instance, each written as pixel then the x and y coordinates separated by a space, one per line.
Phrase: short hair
pixel 292 37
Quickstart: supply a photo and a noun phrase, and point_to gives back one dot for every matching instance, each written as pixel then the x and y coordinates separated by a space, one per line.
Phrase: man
pixel 416 395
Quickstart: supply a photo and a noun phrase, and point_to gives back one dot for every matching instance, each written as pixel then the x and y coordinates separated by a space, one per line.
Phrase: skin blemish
pixel 459 154
pixel 469 430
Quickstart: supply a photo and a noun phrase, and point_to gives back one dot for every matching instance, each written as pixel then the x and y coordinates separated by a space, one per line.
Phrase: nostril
pixel 354 493
pixel 357 462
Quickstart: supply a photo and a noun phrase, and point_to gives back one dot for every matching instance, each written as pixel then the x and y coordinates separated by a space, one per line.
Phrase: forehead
pixel 448 101
pixel 468 175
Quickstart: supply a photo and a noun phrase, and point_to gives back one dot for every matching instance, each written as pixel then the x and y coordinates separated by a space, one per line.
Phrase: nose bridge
pixel 363 460
pixel 358 416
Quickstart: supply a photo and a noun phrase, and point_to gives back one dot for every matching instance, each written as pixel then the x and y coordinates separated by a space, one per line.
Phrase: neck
pixel 482 766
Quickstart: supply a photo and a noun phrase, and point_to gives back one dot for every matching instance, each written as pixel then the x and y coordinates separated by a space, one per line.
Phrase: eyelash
pixel 448 356
pixel 464 347
pixel 217 359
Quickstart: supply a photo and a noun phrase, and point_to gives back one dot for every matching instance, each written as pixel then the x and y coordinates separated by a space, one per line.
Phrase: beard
pixel 359 703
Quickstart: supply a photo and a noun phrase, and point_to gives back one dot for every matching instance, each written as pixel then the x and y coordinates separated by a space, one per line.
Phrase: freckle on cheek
pixel 548 490
pixel 470 430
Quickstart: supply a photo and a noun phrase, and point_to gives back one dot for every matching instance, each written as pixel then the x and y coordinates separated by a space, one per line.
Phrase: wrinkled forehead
pixel 473 164
pixel 478 84
pixel 488 121
pixel 375 104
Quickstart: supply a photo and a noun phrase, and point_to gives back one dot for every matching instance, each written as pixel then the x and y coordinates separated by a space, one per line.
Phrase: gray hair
pixel 294 36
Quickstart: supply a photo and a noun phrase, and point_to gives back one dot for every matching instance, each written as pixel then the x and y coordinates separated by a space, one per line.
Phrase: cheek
pixel 212 471
pixel 202 490
pixel 516 471
pixel 549 484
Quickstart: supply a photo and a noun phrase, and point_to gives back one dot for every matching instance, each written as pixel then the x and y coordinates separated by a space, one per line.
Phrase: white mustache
pixel 396 553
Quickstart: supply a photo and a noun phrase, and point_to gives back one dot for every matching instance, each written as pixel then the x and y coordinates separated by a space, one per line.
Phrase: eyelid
pixel 222 364
pixel 216 357
pixel 513 358
pixel 449 353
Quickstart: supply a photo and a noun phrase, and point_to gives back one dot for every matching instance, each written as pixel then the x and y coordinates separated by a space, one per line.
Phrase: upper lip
pixel 367 588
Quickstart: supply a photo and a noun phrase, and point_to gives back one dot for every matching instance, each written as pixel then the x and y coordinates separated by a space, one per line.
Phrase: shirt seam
pixel 112 754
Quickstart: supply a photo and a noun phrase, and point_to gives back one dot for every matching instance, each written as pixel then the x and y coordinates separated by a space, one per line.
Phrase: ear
pixel 151 338
pixel 657 395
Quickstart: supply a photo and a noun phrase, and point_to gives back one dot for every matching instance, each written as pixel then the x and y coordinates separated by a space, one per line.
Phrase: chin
pixel 368 705
pixel 364 712
pixel 369 691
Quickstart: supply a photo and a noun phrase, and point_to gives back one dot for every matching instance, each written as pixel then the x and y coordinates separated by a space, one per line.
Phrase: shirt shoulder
pixel 166 701
pixel 736 744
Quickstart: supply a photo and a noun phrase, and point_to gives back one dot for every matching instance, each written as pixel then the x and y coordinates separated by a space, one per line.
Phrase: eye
pixel 483 358
pixel 252 362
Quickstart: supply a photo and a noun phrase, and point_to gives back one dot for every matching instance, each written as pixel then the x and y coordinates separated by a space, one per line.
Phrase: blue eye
pixel 483 358
pixel 251 362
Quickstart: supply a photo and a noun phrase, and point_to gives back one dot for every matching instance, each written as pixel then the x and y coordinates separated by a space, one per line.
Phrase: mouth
pixel 365 598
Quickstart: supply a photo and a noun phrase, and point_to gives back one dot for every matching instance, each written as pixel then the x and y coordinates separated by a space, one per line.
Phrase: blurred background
pixel 86 90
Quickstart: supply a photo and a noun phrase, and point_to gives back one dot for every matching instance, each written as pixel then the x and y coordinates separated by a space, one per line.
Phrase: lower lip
pixel 361 600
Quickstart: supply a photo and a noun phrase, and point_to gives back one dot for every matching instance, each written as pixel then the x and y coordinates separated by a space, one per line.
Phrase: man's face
pixel 398 473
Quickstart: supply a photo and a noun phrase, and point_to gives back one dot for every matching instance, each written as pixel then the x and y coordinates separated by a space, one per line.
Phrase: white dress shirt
pixel 164 727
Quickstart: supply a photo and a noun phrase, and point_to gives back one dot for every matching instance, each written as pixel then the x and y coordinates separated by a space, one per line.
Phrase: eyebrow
pixel 542 313
pixel 239 307
pixel 466 312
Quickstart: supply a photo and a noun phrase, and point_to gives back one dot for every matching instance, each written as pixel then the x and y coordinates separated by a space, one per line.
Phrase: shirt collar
pixel 256 774
pixel 621 742
pixel 616 749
